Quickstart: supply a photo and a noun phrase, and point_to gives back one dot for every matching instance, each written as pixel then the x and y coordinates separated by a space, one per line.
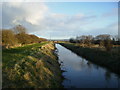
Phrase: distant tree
pixel 85 39
pixel 81 39
pixel 18 35
pixel 108 44
pixel 88 40
pixel 78 39
pixel 19 29
pixel 105 41
pixel 72 40
pixel 101 43
pixel 21 34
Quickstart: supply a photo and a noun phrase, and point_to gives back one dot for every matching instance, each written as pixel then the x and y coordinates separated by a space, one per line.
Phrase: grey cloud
pixel 40 21
pixel 111 29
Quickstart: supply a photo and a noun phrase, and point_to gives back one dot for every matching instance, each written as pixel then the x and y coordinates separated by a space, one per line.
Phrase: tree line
pixel 18 36
pixel 103 40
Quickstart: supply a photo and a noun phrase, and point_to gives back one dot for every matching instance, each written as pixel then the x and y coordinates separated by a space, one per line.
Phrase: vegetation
pixel 31 66
pixel 110 60
pixel 8 38
pixel 17 37
pixel 28 61
pixel 104 41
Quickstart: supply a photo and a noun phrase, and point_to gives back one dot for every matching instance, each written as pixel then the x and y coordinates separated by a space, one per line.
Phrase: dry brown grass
pixel 31 67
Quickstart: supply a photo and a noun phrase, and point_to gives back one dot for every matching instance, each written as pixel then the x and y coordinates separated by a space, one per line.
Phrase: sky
pixel 62 20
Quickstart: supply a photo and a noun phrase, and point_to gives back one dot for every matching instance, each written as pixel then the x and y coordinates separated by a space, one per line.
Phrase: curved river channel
pixel 81 73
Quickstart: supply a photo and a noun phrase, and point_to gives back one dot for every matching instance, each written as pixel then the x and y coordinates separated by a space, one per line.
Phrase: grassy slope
pixel 103 58
pixel 31 66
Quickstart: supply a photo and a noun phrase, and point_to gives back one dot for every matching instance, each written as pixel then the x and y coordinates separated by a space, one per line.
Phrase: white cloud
pixel 0 16
pixel 37 18
pixel 14 12
pixel 111 29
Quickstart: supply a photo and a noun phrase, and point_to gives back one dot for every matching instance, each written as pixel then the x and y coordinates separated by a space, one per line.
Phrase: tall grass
pixel 31 66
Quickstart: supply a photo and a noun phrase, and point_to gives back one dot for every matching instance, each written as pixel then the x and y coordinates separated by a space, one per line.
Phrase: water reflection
pixel 107 76
pixel 82 73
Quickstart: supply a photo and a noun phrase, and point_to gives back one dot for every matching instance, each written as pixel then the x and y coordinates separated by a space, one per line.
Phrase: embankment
pixel 102 58
pixel 31 66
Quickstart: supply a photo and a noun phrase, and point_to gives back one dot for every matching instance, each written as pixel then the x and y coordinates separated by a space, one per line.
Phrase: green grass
pixel 13 55
pixel 109 60
pixel 30 67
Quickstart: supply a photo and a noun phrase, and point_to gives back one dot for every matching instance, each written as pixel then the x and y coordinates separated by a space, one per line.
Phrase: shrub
pixel 8 38
pixel 108 45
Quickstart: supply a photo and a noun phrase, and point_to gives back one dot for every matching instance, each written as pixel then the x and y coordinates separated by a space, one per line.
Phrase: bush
pixel 108 45
pixel 8 38
pixel 72 40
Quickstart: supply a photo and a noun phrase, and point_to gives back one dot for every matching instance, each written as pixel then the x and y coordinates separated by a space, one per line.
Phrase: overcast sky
pixel 62 20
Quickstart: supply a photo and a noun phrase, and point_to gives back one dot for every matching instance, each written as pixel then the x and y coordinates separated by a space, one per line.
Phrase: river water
pixel 81 73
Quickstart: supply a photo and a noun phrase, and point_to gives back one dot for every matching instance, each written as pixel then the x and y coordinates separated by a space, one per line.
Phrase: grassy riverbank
pixel 31 66
pixel 110 60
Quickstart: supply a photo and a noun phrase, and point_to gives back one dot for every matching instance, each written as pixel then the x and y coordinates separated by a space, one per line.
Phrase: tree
pixel 88 40
pixel 85 39
pixel 72 40
pixel 82 39
pixel 19 29
pixel 108 44
pixel 21 35
pixel 105 41
pixel 18 35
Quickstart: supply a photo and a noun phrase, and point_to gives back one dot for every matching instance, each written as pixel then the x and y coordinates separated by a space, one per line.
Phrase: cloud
pixel 112 13
pixel 111 29
pixel 0 16
pixel 15 13
pixel 37 14
pixel 39 20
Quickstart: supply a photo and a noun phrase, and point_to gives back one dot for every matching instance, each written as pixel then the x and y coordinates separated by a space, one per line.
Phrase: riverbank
pixel 106 59
pixel 31 66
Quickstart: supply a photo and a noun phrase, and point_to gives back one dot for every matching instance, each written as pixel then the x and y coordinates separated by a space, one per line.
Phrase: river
pixel 81 73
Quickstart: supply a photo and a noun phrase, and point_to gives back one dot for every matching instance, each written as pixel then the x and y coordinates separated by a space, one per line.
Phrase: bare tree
pixel 21 34
pixel 85 39
pixel 19 29
pixel 108 45
pixel 105 41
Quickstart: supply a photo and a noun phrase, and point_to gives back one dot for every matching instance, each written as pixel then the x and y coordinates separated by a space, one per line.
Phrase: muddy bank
pixel 32 66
